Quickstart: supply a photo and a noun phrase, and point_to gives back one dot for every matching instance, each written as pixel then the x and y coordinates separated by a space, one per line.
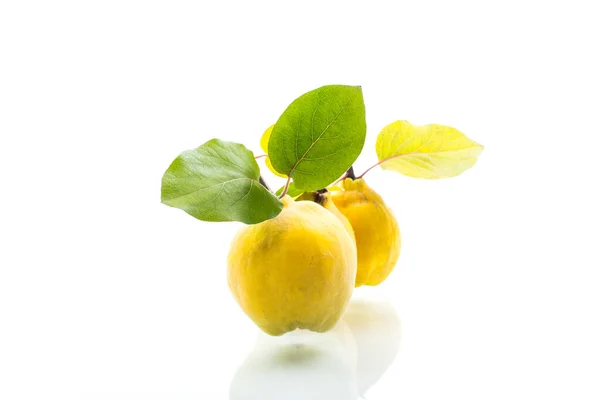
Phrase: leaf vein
pixel 244 196
pixel 206 187
pixel 328 155
pixel 320 135
pixel 227 161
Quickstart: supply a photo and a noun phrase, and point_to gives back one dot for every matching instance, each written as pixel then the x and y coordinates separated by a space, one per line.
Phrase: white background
pixel 107 294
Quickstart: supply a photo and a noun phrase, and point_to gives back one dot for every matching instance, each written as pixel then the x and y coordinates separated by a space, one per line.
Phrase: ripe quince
pixel 375 229
pixel 296 270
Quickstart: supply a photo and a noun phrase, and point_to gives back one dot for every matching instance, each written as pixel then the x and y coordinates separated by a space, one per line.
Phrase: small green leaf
pixel 219 181
pixel 319 136
pixel 428 151
pixel 293 191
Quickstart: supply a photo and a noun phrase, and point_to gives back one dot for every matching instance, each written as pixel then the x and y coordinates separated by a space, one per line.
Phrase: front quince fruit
pixel 296 270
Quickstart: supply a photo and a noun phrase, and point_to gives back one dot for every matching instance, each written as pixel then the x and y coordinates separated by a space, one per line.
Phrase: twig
pixel 262 182
pixel 285 189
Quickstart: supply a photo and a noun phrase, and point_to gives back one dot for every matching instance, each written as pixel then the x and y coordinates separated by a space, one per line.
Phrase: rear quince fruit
pixel 375 229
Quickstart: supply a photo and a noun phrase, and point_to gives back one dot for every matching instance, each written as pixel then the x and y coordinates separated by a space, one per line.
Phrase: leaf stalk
pixel 379 163
pixel 285 189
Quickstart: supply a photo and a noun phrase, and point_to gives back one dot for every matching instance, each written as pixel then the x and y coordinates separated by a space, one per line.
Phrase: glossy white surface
pixel 343 363
pixel 105 294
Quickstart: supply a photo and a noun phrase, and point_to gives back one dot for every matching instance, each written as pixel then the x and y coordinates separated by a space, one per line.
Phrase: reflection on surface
pixel 376 330
pixel 340 364
pixel 298 365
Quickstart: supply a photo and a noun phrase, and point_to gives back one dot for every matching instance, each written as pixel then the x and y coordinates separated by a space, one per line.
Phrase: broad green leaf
pixel 264 144
pixel 319 136
pixel 293 191
pixel 428 151
pixel 219 181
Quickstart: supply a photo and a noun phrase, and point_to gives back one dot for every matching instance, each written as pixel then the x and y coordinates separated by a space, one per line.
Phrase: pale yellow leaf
pixel 264 144
pixel 264 140
pixel 428 151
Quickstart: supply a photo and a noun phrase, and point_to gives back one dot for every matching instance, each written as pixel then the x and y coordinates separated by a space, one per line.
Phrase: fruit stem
pixel 318 196
pixel 262 182
pixel 285 189
pixel 350 173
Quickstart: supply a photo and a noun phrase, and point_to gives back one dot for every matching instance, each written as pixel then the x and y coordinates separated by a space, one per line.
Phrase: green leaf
pixel 219 181
pixel 428 151
pixel 319 136
pixel 293 191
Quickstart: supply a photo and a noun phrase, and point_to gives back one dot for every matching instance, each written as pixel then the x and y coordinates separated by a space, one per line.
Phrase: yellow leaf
pixel 428 151
pixel 264 144
pixel 264 140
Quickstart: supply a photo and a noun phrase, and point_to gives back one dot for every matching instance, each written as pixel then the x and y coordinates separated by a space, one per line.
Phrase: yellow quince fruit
pixel 296 270
pixel 375 229
pixel 323 198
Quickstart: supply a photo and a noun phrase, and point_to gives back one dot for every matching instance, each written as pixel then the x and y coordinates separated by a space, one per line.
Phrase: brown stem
pixel 350 173
pixel 264 183
pixel 285 189
pixel 319 196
